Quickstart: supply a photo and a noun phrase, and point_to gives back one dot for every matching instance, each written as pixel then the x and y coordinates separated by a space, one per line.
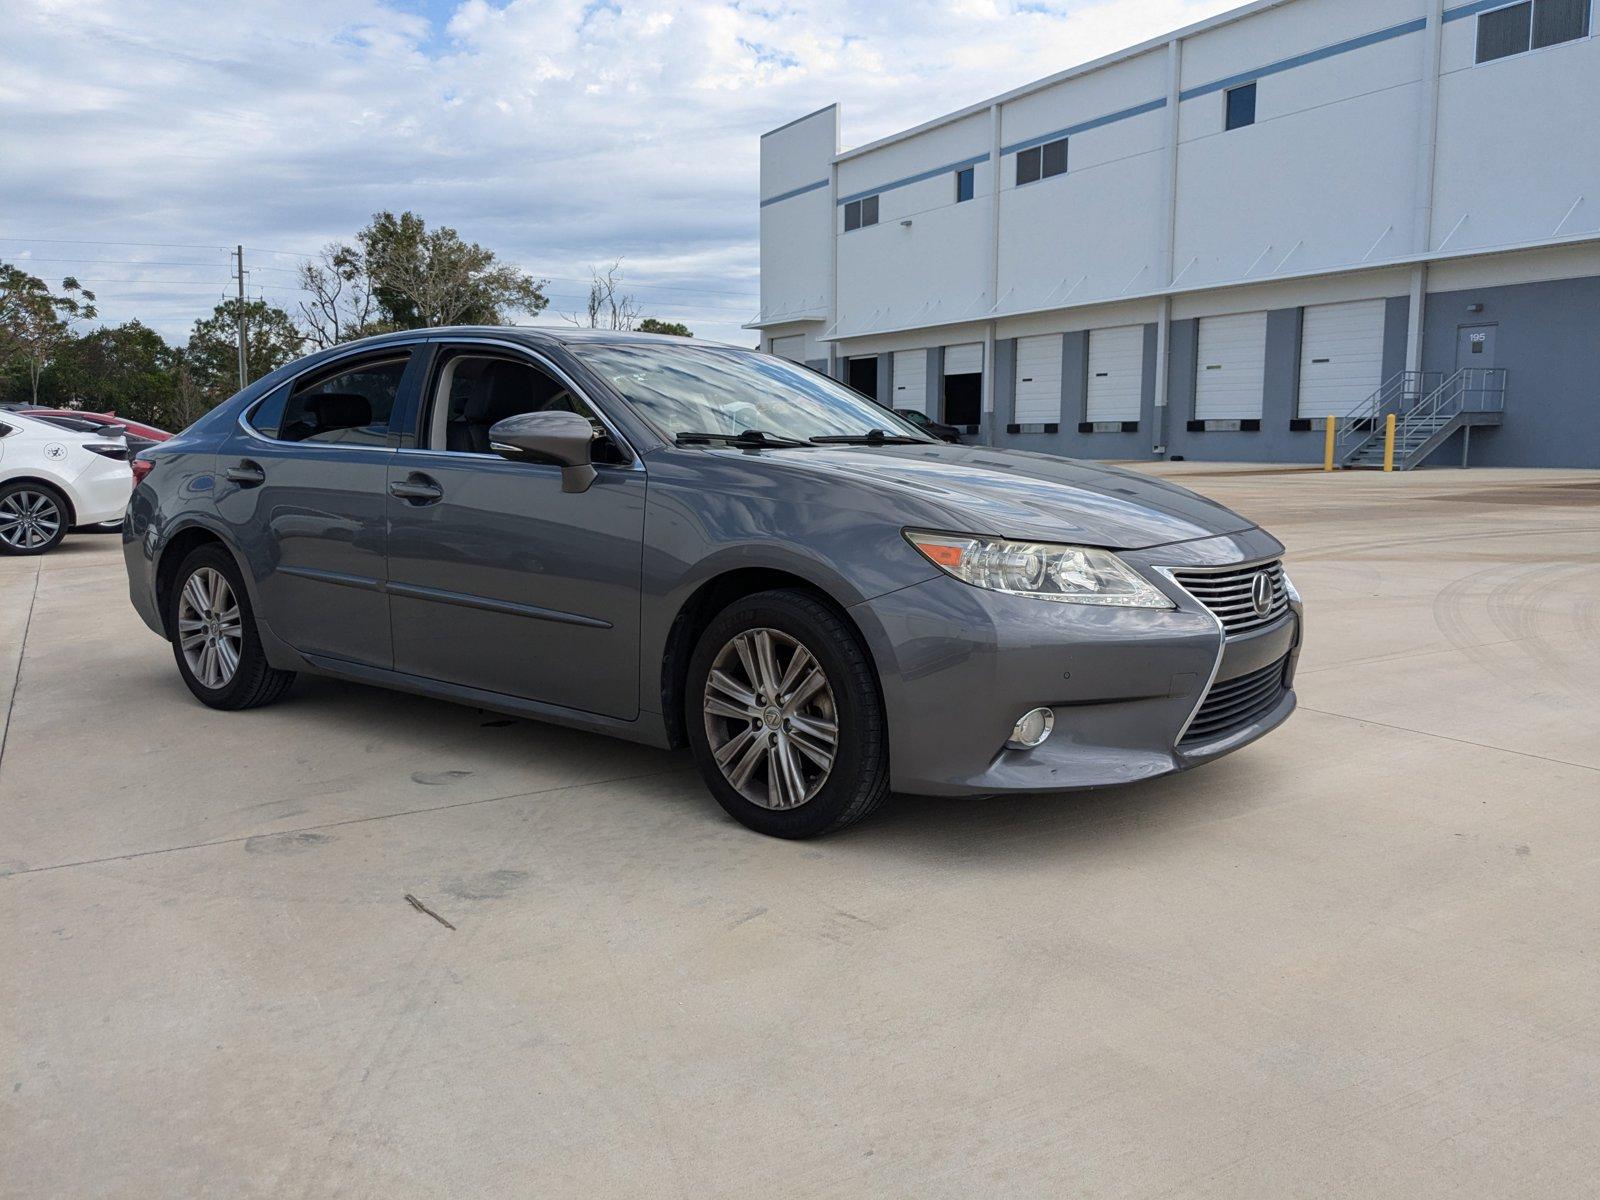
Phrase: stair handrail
pixel 1397 394
pixel 1470 389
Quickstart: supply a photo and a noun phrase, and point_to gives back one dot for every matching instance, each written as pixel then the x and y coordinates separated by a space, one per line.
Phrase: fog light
pixel 1031 729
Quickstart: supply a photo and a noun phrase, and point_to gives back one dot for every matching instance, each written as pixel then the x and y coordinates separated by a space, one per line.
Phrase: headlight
pixel 1290 589
pixel 1070 574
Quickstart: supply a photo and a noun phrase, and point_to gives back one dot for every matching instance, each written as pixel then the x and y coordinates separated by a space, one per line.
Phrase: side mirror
pixel 563 438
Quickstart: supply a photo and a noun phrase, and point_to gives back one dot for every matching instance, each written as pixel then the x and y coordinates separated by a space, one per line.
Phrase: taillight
pixel 141 468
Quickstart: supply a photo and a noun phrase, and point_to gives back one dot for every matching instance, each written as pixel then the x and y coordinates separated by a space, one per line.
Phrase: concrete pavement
pixel 1356 959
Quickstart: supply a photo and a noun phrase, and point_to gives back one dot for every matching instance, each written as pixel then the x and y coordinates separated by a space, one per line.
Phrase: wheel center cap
pixel 772 718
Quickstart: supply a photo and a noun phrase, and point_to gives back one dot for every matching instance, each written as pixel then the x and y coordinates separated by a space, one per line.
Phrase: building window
pixel 1241 106
pixel 965 180
pixel 860 213
pixel 1531 25
pixel 1041 162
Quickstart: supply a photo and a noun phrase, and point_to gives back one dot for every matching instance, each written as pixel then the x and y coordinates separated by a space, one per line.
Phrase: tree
pixel 212 355
pixel 34 322
pixel 128 369
pixel 421 278
pixel 609 307
pixel 652 325
pixel 342 306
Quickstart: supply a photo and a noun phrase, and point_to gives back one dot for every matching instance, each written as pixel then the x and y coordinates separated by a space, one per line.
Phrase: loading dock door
pixel 963 384
pixel 911 380
pixel 1230 377
pixel 792 348
pixel 1038 380
pixel 1341 357
pixel 1116 373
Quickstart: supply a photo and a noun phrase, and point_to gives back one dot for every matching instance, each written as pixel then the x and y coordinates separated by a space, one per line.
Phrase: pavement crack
pixel 409 812
pixel 1565 762
pixel 22 651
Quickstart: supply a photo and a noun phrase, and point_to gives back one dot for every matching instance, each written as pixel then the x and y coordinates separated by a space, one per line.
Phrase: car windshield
pixel 685 390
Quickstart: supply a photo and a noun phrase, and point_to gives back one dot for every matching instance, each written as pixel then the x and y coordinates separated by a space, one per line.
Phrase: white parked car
pixel 52 479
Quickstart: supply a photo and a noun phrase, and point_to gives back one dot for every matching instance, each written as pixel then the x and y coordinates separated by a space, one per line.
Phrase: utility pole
pixel 244 355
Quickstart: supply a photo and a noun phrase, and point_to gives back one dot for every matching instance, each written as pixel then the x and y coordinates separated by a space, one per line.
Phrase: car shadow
pixel 989 830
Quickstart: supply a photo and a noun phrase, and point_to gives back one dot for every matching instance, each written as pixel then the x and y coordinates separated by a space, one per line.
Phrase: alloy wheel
pixel 771 719
pixel 209 628
pixel 29 519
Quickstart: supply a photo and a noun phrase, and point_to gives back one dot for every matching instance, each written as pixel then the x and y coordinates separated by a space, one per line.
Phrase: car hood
pixel 979 489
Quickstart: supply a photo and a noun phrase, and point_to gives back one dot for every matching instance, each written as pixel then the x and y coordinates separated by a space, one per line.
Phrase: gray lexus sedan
pixel 693 545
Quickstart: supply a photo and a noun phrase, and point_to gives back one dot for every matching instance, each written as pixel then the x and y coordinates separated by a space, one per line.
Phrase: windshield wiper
pixel 873 437
pixel 745 439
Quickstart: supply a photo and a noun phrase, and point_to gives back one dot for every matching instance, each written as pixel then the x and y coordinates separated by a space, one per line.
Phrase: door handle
pixel 245 474
pixel 418 489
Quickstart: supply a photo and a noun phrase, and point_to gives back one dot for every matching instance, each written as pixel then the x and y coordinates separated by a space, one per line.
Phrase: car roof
pixel 537 335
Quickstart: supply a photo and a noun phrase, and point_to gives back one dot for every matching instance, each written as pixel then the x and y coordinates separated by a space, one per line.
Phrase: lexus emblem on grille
pixel 1261 593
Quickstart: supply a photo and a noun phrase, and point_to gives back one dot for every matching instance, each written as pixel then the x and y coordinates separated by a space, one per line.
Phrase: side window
pixel 473 392
pixel 351 406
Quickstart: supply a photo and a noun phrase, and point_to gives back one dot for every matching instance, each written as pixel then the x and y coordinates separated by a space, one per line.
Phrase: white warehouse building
pixel 1204 246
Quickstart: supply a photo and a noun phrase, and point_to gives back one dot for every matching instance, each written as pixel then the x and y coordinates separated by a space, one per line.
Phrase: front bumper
pixel 960 664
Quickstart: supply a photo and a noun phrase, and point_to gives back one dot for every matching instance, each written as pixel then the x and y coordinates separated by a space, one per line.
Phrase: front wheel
pixel 785 717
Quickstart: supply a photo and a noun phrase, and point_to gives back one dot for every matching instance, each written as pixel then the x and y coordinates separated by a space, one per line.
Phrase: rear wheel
pixel 214 635
pixel 33 518
pixel 785 717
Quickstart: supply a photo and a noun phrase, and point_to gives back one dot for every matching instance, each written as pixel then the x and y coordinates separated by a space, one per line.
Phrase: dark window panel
pixel 1055 158
pixel 964 184
pixel 1242 106
pixel 869 211
pixel 1504 32
pixel 1556 21
pixel 852 216
pixel 1028 166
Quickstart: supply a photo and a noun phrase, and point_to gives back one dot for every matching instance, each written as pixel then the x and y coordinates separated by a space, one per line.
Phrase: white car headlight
pixel 1069 574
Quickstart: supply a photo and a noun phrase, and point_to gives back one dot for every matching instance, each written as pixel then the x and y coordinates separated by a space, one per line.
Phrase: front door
pixel 304 490
pixel 1475 346
pixel 498 579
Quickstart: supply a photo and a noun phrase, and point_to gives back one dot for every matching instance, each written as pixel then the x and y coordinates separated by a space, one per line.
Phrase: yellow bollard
pixel 1388 443
pixel 1327 447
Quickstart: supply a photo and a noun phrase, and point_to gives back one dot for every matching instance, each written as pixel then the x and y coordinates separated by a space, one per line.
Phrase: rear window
pixel 351 405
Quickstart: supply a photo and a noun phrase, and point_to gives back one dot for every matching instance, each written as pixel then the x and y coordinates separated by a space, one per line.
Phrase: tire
pixel 819 788
pixel 209 603
pixel 33 518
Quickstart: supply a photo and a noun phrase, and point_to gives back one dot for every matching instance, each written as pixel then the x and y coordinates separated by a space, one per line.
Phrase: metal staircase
pixel 1428 407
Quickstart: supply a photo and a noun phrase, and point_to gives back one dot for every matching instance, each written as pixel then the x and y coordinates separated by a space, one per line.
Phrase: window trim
pixel 860 207
pixel 1589 15
pixel 425 403
pixel 411 347
pixel 1066 149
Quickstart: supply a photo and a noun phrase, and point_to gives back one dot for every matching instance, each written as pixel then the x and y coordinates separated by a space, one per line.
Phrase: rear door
pixel 303 485
pixel 498 579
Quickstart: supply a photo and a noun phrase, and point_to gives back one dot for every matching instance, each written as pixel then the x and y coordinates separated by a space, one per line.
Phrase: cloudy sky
pixel 140 138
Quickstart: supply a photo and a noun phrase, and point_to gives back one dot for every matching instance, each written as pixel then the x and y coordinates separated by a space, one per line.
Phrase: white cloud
pixel 559 132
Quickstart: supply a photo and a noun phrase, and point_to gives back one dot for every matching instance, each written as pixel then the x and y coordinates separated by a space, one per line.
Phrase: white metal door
pixel 1116 373
pixel 966 359
pixel 1341 357
pixel 792 348
pixel 1230 377
pixel 911 380
pixel 1038 380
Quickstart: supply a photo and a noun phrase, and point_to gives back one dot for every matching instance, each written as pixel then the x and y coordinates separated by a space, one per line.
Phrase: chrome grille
pixel 1227 593
pixel 1235 703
